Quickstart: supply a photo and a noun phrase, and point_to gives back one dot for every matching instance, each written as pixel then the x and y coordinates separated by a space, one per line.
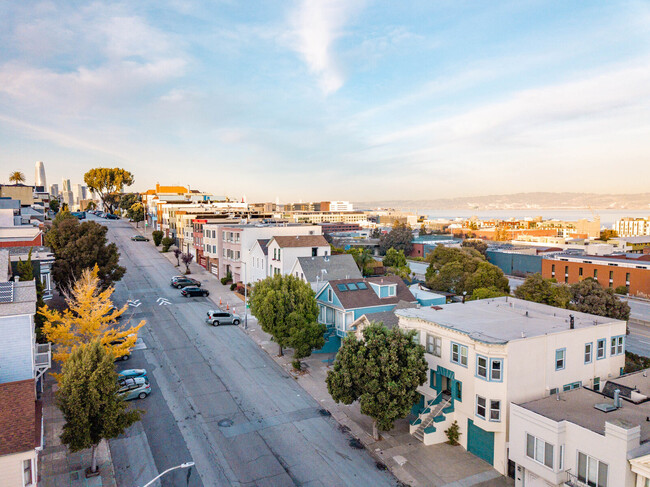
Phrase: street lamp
pixel 182 465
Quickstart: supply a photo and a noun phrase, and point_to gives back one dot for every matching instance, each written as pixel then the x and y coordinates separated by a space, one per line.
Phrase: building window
pixel 560 460
pixel 588 352
pixel 329 295
pixel 495 410
pixel 591 471
pixel 459 354
pixel 481 407
pixel 496 368
pixel 539 450
pixel 434 345
pixel 459 391
pixel 595 273
pixel 600 349
pixel 616 345
pixel 553 391
pixel 627 279
pixel 573 385
pixel 27 473
pixel 314 251
pixel 580 271
pixel 597 384
pixel 552 270
pixel 481 366
pixel 560 359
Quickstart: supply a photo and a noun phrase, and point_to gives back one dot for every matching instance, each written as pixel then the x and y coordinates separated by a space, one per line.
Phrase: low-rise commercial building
pixel 485 354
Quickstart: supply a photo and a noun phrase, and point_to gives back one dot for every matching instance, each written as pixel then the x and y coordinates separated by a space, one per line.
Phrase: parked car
pixel 110 216
pixel 218 317
pixel 79 215
pixel 184 282
pixel 119 341
pixel 194 291
pixel 131 374
pixel 137 387
pixel 176 278
pixel 139 238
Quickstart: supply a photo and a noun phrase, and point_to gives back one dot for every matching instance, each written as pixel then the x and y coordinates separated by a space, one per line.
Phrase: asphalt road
pixel 218 399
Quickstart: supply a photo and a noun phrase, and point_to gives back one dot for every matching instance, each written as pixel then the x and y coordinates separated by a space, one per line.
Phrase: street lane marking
pixel 163 302
pixel 133 303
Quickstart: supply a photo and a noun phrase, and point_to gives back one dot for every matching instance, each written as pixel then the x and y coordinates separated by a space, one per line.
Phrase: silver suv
pixel 218 317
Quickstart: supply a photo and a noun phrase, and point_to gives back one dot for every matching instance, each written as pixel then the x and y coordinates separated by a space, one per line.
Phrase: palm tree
pixel 17 177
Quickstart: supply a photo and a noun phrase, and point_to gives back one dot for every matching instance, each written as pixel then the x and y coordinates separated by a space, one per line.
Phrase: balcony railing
pixel 573 481
pixel 42 359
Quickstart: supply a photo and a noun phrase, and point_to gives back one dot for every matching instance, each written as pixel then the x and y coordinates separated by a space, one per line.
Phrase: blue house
pixel 342 302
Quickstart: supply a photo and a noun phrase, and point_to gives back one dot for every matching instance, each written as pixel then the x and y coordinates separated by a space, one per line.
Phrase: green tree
pixel 108 183
pixel 166 243
pixel 476 244
pixel 423 231
pixel 486 293
pixel 78 246
pixel 375 233
pixel 606 235
pixel 26 273
pixel 286 308
pixel 589 296
pixel 621 290
pixel 449 268
pixel 399 238
pixel 157 236
pixel 486 275
pixel 17 177
pixel 127 200
pixel 362 257
pixel 136 213
pixel 88 399
pixel 55 205
pixel 382 371
pixel 394 258
pixel 539 290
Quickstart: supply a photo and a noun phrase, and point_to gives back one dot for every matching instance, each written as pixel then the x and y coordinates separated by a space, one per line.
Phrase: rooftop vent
pixel 606 407
pixel 572 322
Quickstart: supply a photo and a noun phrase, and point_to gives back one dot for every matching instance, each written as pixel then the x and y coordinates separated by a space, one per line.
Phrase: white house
pixel 258 258
pixel 283 251
pixel 485 354
pixel 583 437
pixel 317 270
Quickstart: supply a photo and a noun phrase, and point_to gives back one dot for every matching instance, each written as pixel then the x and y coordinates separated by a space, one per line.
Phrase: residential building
pixel 42 261
pixel 426 297
pixel 317 270
pixel 338 227
pixel 326 216
pixel 483 355
pixel 259 261
pixel 228 247
pixel 20 236
pixel 20 192
pixel 283 250
pixel 630 270
pixel 341 302
pixel 632 227
pixel 584 437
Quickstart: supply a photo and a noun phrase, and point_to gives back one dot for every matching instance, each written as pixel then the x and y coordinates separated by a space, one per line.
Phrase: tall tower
pixel 40 175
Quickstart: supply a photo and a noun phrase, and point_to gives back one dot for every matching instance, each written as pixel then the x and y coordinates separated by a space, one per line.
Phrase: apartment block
pixel 632 227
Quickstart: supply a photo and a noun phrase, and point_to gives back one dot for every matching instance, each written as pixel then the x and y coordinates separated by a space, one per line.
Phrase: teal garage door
pixel 480 442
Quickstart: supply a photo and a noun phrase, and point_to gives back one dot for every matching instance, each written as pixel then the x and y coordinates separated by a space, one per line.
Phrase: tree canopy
pixel 476 244
pixel 536 288
pixel 362 257
pixel 286 308
pixel 88 399
pixel 394 258
pixel 55 204
pixel 90 316
pixel 399 238
pixel 605 235
pixel 108 182
pixel 79 246
pixel 17 177
pixel 463 270
pixel 382 371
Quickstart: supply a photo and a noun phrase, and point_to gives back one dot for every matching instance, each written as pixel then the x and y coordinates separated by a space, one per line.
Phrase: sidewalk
pixel 408 459
pixel 59 467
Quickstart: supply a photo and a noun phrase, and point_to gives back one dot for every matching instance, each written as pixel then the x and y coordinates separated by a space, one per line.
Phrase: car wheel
pixel 178 286
pixel 126 357
pixel 215 323
pixel 142 395
pixel 206 294
pixel 235 322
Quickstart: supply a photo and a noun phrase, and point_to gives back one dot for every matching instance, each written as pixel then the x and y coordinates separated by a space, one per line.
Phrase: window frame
pixel 563 350
pixel 498 410
pixel 588 460
pixel 600 341
pixel 461 348
pixel 492 362
pixel 614 346
pixel 485 367
pixel 484 407
pixel 589 346
pixel 436 344
pixel 541 448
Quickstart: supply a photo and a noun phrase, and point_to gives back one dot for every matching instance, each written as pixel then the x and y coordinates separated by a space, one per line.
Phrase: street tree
pixel 166 243
pixel 187 259
pixel 79 246
pixel 90 316
pixel 157 236
pixel 394 258
pixel 88 399
pixel 540 290
pixel 177 253
pixel 476 244
pixel 108 183
pixel 589 296
pixel 283 306
pixel 423 231
pixel 127 200
pixel 399 238
pixel 17 177
pixel 382 371
pixel 136 213
pixel 55 204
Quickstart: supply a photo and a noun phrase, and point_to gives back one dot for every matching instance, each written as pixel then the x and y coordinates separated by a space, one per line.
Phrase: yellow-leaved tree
pixel 91 315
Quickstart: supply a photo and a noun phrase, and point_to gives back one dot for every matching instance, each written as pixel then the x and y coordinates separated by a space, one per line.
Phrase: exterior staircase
pixel 428 420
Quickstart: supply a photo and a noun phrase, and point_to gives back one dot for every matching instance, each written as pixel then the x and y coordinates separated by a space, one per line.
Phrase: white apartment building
pixel 340 206
pixel 283 251
pixel 484 355
pixel 583 437
pixel 632 227
pixel 228 247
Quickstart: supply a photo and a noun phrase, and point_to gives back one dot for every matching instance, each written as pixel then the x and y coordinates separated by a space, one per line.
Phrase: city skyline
pixel 331 100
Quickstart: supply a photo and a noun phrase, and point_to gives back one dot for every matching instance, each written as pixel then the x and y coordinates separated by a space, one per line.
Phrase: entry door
pixel 480 442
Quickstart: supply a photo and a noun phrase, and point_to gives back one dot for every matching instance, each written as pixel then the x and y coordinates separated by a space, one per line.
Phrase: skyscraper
pixel 54 190
pixel 66 193
pixel 40 175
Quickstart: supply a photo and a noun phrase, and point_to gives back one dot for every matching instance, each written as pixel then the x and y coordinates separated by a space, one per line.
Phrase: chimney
pixel 617 398
pixel 571 322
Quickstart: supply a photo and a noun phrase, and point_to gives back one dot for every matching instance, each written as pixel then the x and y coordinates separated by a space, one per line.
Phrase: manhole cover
pixel 356 444
pixel 225 423
pixel 324 412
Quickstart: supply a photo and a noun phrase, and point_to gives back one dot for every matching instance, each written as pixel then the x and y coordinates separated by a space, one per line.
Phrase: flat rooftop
pixel 501 320
pixel 577 406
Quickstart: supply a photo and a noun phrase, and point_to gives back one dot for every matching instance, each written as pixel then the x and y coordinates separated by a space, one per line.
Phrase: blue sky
pixel 338 99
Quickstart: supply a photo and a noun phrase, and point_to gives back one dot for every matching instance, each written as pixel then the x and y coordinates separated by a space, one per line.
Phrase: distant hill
pixel 523 201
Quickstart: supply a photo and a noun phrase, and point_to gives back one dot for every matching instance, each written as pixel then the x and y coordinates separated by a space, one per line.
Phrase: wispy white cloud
pixel 316 26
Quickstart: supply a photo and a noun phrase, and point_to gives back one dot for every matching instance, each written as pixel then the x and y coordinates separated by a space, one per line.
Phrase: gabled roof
pixel 263 243
pixel 18 428
pixel 366 298
pixel 300 241
pixel 340 266
pixel 389 318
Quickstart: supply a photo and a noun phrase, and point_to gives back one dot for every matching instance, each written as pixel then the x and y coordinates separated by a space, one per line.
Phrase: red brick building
pixel 631 270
